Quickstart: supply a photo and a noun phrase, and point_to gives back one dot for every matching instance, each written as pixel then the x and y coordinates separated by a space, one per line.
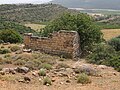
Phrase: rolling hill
pixel 34 13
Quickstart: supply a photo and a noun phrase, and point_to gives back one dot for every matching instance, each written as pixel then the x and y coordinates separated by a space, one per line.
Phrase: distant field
pixel 110 33
pixel 36 27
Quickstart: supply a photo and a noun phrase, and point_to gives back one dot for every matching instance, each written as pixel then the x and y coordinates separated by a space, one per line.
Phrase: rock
pixel 47 84
pixel 102 67
pixel 61 83
pixel 21 80
pixel 22 69
pixel 68 81
pixel 53 80
pixel 6 70
pixel 35 74
pixel 12 70
pixel 27 79
pixel 2 73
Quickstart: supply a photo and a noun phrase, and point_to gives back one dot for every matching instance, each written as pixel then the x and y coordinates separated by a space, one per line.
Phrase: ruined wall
pixel 65 43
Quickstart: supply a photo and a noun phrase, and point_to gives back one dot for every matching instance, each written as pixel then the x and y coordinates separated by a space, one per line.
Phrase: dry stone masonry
pixel 62 43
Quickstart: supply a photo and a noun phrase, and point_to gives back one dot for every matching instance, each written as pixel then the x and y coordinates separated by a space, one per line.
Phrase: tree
pixel 10 36
pixel 82 23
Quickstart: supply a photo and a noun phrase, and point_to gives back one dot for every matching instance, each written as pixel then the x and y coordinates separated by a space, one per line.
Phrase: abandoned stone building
pixel 62 43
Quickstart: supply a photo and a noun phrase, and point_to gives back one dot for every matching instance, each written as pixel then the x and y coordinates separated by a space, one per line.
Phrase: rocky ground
pixel 16 75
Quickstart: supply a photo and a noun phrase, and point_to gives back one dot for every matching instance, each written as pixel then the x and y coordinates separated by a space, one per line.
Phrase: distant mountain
pixel 34 13
pixel 91 4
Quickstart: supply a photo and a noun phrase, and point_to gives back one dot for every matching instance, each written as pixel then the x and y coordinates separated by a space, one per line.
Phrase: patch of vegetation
pixel 106 55
pixel 62 65
pixel 46 66
pixel 115 43
pixel 10 36
pixel 34 13
pixel 9 25
pixel 14 48
pixel 4 51
pixel 42 72
pixel 83 79
pixel 46 81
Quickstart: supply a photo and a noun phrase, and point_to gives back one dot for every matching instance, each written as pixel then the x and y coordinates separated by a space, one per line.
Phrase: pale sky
pixel 23 1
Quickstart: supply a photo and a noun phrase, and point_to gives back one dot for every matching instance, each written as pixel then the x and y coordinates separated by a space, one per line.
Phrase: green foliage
pixel 46 81
pixel 9 25
pixel 46 66
pixel 14 48
pixel 62 65
pixel 82 23
pixel 83 79
pixel 42 72
pixel 10 36
pixel 4 51
pixel 115 43
pixel 105 55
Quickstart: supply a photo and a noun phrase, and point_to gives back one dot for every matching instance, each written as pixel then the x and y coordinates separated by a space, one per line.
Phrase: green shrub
pixel 83 79
pixel 62 65
pixel 46 66
pixel 4 51
pixel 14 48
pixel 7 56
pixel 105 55
pixel 10 36
pixel 42 72
pixel 47 81
pixel 115 43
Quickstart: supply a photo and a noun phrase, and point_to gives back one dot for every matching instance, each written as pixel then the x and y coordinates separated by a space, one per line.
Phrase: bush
pixel 105 55
pixel 46 66
pixel 82 23
pixel 19 62
pixel 83 79
pixel 4 51
pixel 115 43
pixel 14 48
pixel 62 65
pixel 10 36
pixel 47 81
pixel 42 72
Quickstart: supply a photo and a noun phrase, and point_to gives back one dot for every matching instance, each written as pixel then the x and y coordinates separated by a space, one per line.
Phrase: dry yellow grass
pixel 36 27
pixel 110 33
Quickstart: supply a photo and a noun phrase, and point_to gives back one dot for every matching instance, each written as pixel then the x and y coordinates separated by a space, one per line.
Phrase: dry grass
pixel 36 27
pixel 110 33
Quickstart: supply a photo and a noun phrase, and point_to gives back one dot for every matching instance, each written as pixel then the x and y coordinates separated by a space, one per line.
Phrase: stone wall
pixel 65 43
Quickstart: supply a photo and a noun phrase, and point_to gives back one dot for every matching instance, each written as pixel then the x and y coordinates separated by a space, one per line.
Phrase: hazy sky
pixel 22 1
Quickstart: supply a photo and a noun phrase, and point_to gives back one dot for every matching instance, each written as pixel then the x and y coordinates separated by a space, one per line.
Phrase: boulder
pixel 22 69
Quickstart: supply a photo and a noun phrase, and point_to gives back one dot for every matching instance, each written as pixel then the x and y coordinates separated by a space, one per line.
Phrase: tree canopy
pixel 82 23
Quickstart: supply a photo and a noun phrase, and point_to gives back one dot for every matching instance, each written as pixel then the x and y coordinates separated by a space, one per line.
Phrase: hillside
pixel 4 24
pixel 91 4
pixel 32 12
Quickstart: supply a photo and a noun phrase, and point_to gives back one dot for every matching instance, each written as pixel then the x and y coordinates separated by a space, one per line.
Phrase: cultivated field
pixel 36 27
pixel 110 33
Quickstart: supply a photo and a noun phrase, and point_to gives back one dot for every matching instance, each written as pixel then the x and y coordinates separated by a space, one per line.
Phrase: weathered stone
pixel 27 79
pixel 2 73
pixel 22 69
pixel 62 43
